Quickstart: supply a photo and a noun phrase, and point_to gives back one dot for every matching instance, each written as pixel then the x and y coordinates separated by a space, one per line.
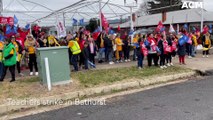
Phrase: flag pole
pixel 201 25
pixel 100 15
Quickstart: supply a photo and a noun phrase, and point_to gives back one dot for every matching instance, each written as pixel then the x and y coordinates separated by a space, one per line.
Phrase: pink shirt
pixel 91 45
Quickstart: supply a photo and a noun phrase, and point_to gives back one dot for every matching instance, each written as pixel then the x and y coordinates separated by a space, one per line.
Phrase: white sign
pixel 61 30
pixel 190 4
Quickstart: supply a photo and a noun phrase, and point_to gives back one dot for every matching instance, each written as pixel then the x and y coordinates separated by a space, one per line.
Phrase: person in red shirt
pixel 20 40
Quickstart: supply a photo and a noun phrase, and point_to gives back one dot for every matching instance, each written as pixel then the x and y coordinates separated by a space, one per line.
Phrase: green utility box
pixel 59 67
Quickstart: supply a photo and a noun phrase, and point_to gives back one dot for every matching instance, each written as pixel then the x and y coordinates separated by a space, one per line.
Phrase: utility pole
pixel 131 20
pixel 201 25
pixel 100 15
pixel 1 7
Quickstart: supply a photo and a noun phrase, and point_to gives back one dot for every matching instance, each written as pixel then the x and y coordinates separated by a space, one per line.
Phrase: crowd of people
pixel 159 48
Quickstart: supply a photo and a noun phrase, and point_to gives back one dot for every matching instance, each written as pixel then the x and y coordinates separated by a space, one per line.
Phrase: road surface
pixel 192 100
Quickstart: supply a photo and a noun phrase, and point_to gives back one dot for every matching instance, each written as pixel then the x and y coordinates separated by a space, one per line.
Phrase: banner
pixel 61 29
pixel 7 20
pixel 171 29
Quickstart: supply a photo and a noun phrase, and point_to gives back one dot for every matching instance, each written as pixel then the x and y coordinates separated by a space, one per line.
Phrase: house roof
pixel 181 16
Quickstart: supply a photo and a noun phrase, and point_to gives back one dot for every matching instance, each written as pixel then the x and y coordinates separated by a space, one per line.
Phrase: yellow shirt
pixel 135 40
pixel 16 46
pixel 1 45
pixel 119 44
pixel 194 38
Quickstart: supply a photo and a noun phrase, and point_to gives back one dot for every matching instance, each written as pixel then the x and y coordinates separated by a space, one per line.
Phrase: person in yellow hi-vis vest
pixel 52 42
pixel 75 49
pixel 30 45
pixel 1 56
pixel 19 50
pixel 119 44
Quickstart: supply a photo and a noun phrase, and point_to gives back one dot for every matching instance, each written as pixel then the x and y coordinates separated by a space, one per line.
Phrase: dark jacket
pixel 161 47
pixel 181 50
pixel 86 53
pixel 126 45
pixel 108 44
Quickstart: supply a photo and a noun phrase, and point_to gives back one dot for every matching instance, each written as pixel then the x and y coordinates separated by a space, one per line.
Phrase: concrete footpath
pixel 196 64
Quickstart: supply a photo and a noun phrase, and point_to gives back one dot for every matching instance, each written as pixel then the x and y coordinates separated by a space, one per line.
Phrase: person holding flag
pixel 151 45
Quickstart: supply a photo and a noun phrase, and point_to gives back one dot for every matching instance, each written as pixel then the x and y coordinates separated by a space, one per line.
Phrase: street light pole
pixel 201 25
pixel 131 23
pixel 1 7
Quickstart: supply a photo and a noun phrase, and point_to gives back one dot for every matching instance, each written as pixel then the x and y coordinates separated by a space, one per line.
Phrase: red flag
pixel 105 23
pixel 119 28
pixel 205 30
pixel 159 27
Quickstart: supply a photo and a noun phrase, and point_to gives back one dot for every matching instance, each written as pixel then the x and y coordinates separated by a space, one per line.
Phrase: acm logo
pixel 190 4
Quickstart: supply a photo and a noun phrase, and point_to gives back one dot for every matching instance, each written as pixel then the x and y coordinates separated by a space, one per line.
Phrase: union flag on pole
pixel 159 27
pixel 105 23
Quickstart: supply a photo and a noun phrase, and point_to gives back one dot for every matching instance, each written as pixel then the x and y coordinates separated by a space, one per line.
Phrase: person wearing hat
pixel 19 50
pixel 9 59
pixel 30 45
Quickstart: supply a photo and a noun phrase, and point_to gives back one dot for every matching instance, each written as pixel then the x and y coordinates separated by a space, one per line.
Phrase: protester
pixel 101 47
pixel 140 52
pixel 152 50
pixel 42 40
pixel 92 49
pixel 169 51
pixel 108 43
pixel 126 48
pixel 86 55
pixel 1 57
pixel 181 52
pixel 9 60
pixel 194 44
pixel 75 49
pixel 119 44
pixel 161 46
pixel 135 41
pixel 52 42
pixel 81 42
pixel 18 51
pixel 31 45
pixel 206 42
pixel 20 40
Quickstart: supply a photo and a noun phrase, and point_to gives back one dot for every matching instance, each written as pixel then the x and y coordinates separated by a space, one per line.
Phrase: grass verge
pixel 108 76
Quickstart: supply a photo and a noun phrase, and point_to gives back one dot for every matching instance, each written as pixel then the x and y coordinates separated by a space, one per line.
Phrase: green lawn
pixel 96 77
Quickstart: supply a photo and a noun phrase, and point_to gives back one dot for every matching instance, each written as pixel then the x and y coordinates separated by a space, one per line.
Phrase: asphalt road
pixel 192 100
